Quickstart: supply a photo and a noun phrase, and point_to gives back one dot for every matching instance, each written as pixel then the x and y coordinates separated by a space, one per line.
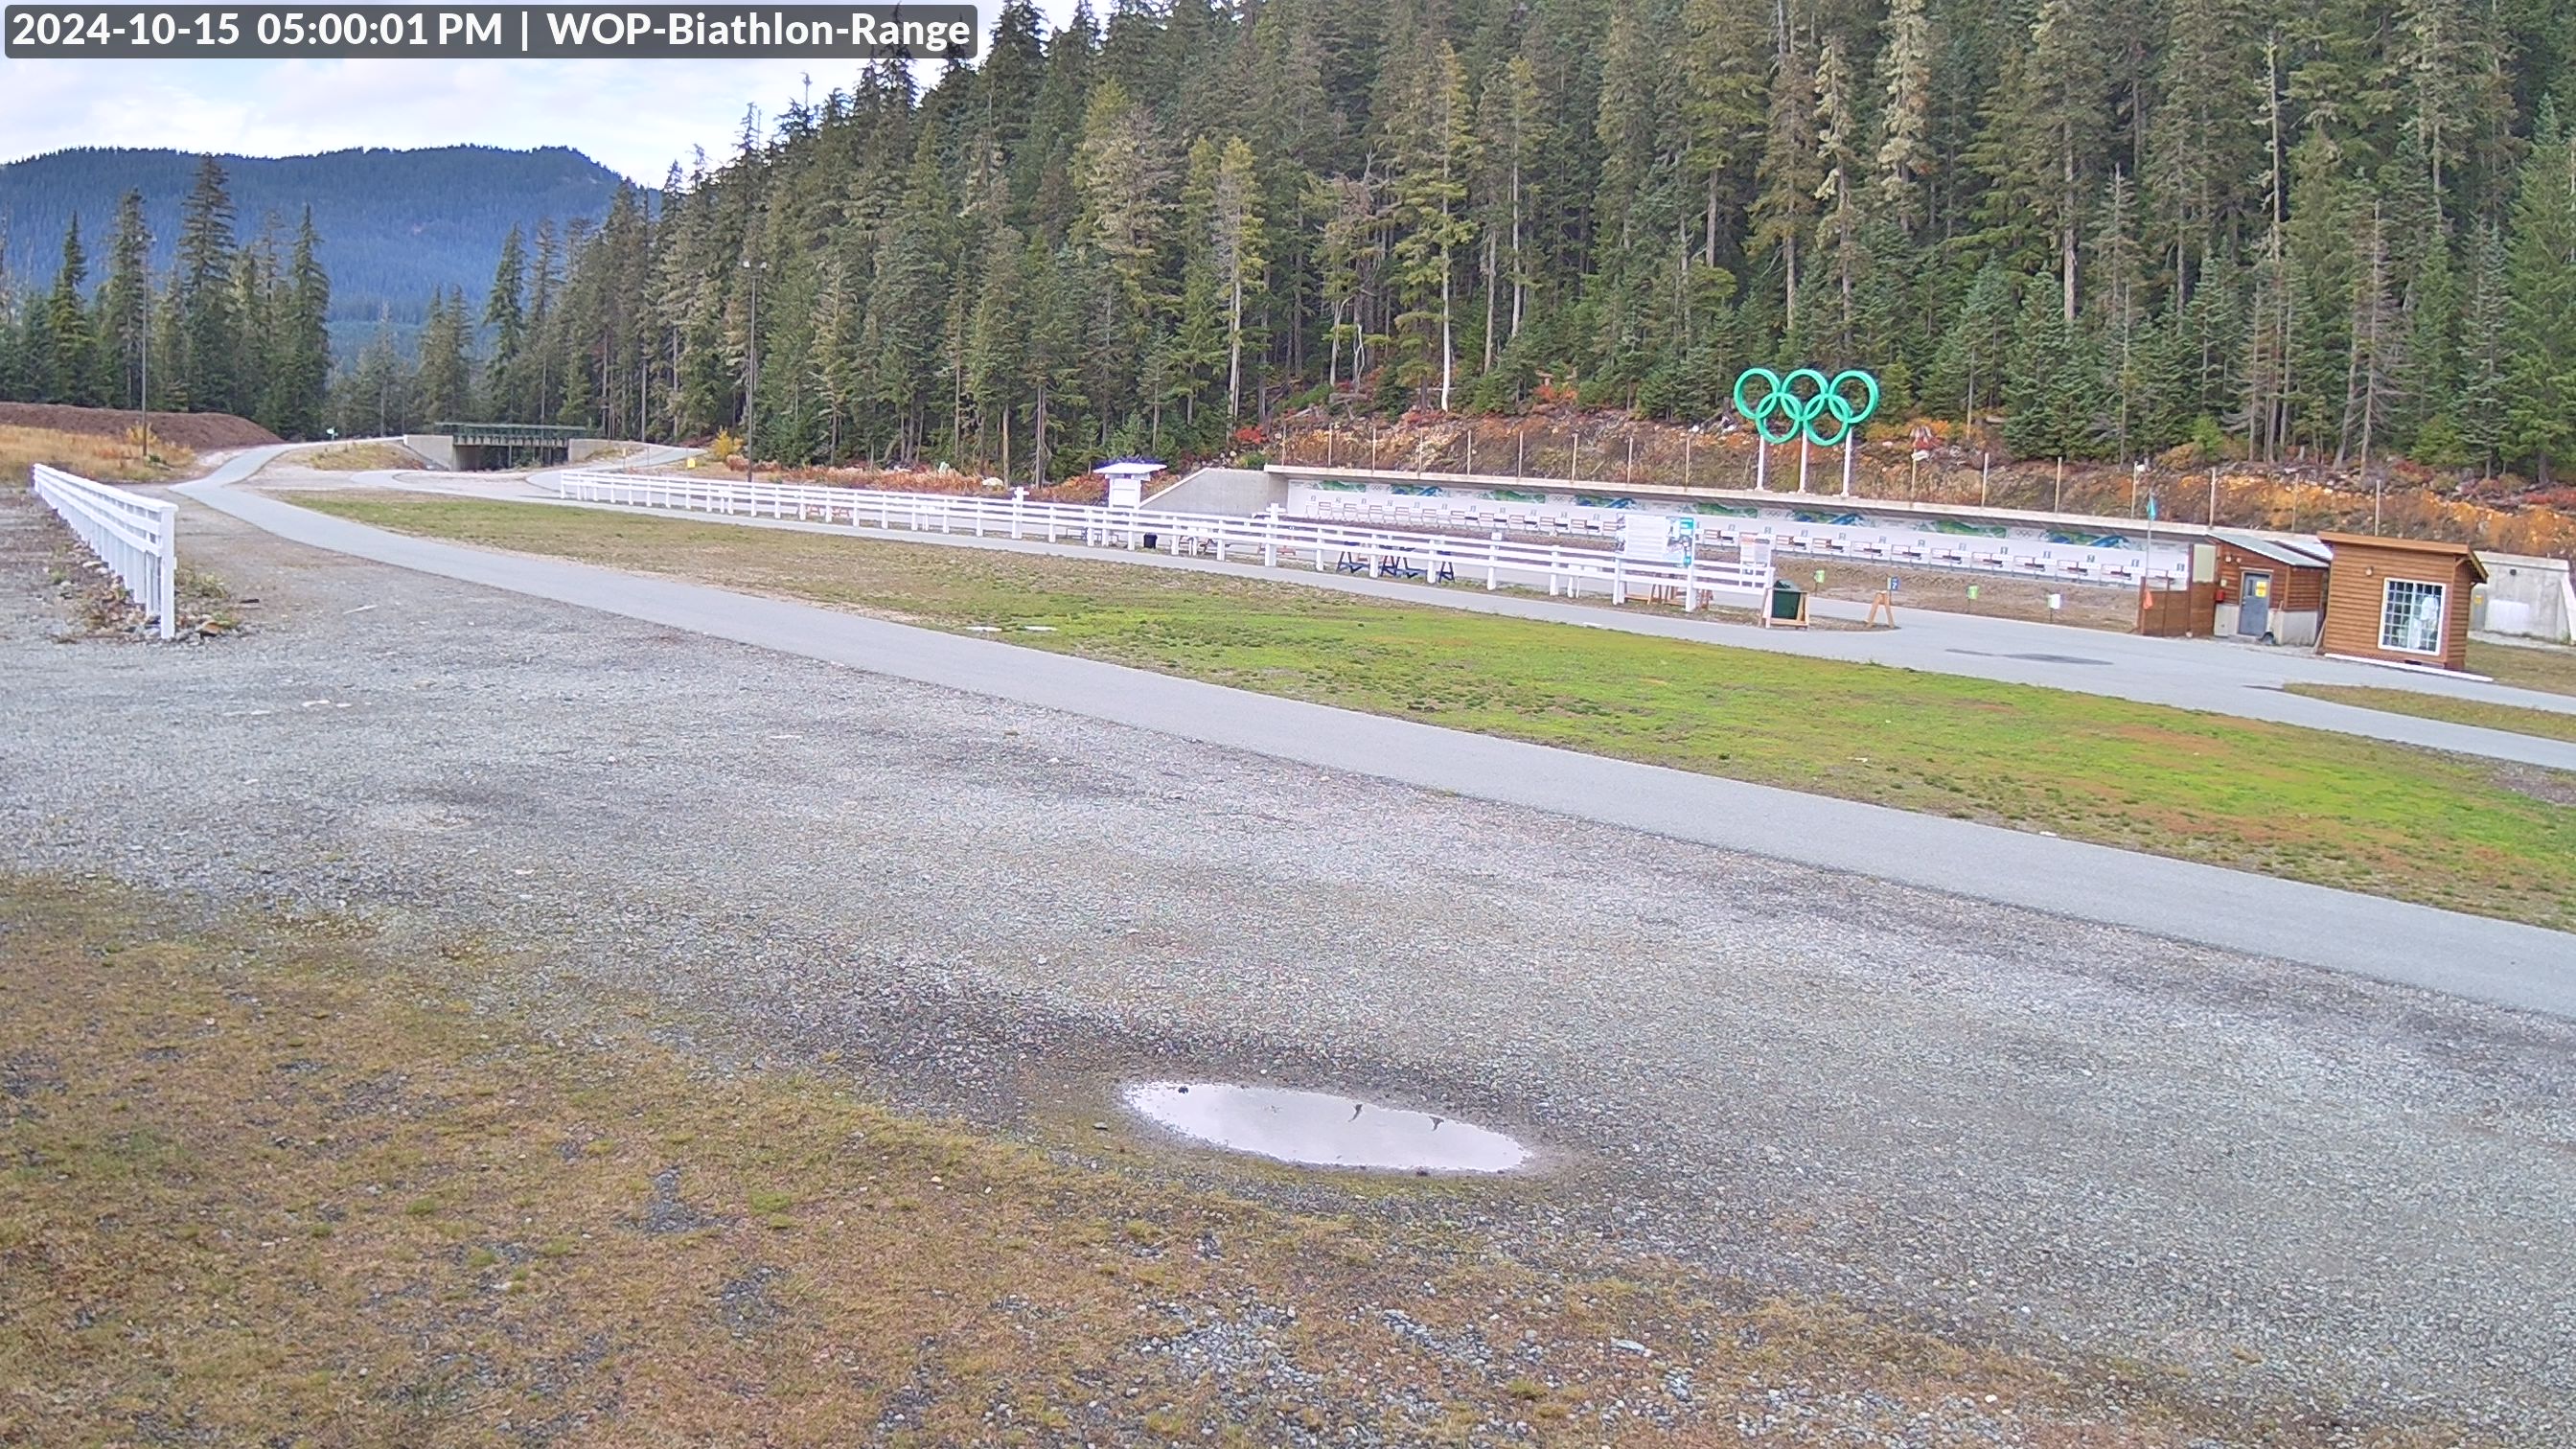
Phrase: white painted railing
pixel 1271 538
pixel 136 537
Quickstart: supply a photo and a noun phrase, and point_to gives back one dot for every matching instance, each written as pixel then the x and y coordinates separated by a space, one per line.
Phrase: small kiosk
pixel 2399 600
pixel 1127 477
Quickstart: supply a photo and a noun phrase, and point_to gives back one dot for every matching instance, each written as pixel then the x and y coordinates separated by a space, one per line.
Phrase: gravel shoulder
pixel 2346 1199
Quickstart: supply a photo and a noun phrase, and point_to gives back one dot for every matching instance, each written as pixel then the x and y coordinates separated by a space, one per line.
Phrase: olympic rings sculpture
pixel 1806 412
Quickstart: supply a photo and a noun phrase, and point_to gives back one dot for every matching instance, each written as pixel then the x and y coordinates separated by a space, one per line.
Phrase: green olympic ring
pixel 1804 411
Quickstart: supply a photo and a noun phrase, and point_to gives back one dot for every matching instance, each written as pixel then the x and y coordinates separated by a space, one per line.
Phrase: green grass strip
pixel 2462 833
pixel 2520 719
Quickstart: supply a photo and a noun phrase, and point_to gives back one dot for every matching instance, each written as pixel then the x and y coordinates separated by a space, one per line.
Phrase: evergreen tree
pixel 259 342
pixel 444 372
pixel 69 370
pixel 1235 242
pixel 505 313
pixel 302 364
pixel 1434 154
pixel 2540 280
pixel 125 304
pixel 1786 172
pixel 2373 376
pixel 1723 65
pixel 1838 226
pixel 203 373
pixel 1905 86
pixel 1508 141
pixel 375 399
pixel 2482 415
pixel 2203 152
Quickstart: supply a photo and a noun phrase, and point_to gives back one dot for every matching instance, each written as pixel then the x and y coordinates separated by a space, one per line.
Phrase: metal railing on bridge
pixel 1271 539
pixel 136 537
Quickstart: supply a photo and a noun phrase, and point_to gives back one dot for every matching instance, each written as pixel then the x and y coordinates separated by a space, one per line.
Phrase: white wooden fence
pixel 136 537
pixel 1271 538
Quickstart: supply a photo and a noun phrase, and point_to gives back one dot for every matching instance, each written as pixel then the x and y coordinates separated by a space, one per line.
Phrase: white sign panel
pixel 1646 536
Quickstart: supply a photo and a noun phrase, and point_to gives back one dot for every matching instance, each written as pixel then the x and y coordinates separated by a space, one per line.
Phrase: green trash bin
pixel 1788 602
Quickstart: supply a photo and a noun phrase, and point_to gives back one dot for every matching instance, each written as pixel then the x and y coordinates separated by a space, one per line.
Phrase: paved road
pixel 2305 1187
pixel 2243 680
pixel 2494 961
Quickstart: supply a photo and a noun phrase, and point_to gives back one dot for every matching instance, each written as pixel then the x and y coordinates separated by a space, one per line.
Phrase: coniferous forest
pixel 232 327
pixel 2340 231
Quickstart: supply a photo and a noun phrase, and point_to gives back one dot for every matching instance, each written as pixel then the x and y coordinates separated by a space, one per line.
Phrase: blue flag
pixel 2151 508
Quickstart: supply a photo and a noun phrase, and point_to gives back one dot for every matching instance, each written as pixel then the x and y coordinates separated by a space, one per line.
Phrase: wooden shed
pixel 2399 600
pixel 2272 589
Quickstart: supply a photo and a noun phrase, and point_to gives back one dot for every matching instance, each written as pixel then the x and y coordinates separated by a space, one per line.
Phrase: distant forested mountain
pixel 396 226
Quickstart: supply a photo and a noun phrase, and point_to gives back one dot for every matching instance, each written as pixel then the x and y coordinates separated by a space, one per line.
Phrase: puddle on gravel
pixel 1316 1129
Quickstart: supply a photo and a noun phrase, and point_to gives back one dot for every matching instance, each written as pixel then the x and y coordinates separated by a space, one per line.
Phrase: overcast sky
pixel 635 117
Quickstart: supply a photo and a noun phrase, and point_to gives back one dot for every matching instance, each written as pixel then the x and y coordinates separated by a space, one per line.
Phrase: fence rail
pixel 136 537
pixel 1272 538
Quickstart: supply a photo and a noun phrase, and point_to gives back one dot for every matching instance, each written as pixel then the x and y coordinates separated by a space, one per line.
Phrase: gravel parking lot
pixel 2340 1197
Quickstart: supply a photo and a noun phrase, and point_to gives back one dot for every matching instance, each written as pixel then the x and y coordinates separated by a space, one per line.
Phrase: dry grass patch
pixel 201 432
pixel 97 457
pixel 353 458
pixel 2524 666
pixel 269 1180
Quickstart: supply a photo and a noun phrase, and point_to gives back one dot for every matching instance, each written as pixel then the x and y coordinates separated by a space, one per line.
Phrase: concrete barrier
pixel 436 449
pixel 1238 491
pixel 2526 598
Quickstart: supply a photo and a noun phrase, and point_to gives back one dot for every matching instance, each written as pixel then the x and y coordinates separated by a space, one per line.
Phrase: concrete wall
pixel 1237 491
pixel 583 450
pixel 437 449
pixel 2294 628
pixel 2529 598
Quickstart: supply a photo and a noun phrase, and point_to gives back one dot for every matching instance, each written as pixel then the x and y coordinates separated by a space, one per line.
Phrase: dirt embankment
pixel 199 432
pixel 2506 513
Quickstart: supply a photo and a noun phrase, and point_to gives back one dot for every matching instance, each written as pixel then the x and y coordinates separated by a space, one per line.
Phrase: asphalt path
pixel 2487 960
pixel 2242 680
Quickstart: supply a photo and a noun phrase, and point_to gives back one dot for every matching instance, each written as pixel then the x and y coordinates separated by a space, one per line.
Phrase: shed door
pixel 2254 611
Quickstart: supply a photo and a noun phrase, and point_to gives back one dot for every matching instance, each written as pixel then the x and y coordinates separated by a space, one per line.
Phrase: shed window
pixel 2410 619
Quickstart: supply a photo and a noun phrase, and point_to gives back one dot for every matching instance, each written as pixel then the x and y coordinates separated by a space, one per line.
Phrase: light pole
pixel 751 371
pixel 144 402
